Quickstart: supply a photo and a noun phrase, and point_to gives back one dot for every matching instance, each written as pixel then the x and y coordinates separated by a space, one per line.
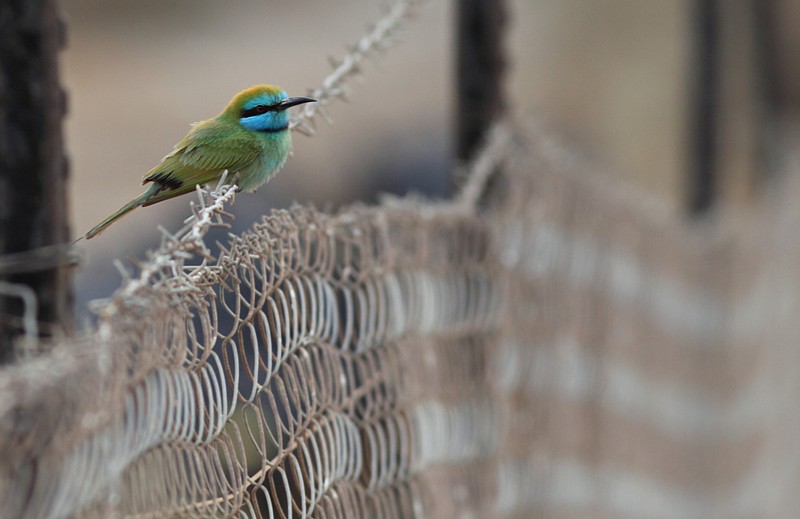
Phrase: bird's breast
pixel 276 149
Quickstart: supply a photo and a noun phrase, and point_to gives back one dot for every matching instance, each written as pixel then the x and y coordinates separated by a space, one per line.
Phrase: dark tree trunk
pixel 479 71
pixel 705 90
pixel 33 169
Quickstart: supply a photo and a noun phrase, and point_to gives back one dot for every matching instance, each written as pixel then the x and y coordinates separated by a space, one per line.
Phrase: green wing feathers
pixel 201 157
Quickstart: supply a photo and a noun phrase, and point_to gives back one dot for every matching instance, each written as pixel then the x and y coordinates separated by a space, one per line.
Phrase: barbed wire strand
pixel 381 37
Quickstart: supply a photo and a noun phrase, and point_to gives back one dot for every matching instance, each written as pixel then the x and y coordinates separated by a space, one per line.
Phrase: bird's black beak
pixel 294 101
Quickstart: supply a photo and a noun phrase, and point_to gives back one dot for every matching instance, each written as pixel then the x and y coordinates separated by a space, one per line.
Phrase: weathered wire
pixel 381 36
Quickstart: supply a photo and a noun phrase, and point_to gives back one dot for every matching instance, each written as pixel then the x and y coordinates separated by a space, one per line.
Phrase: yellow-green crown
pixel 247 95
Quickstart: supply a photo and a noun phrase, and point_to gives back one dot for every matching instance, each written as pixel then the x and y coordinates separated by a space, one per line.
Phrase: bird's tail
pixel 122 211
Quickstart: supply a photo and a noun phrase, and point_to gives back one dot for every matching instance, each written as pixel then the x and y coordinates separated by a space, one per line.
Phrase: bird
pixel 250 139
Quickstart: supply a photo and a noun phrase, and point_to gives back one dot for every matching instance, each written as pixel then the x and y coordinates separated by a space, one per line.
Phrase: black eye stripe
pixel 258 110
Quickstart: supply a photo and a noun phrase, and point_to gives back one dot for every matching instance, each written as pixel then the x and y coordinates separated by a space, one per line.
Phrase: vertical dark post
pixel 771 100
pixel 703 115
pixel 33 168
pixel 479 71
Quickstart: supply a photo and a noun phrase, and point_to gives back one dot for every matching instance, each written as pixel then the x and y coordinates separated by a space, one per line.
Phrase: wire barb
pixel 380 36
pixel 169 261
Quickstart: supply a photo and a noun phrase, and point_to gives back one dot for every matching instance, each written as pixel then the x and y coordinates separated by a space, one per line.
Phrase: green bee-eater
pixel 249 139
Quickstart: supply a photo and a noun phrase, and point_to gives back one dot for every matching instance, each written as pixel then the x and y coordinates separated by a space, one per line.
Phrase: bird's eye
pixel 260 109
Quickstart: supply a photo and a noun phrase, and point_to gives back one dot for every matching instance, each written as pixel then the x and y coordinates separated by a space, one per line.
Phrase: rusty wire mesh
pixel 552 345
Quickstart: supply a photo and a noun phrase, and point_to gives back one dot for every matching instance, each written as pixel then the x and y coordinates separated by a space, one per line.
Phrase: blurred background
pixel 652 366
pixel 613 76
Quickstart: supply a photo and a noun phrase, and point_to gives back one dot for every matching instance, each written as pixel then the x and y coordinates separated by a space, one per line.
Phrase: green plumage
pixel 249 139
